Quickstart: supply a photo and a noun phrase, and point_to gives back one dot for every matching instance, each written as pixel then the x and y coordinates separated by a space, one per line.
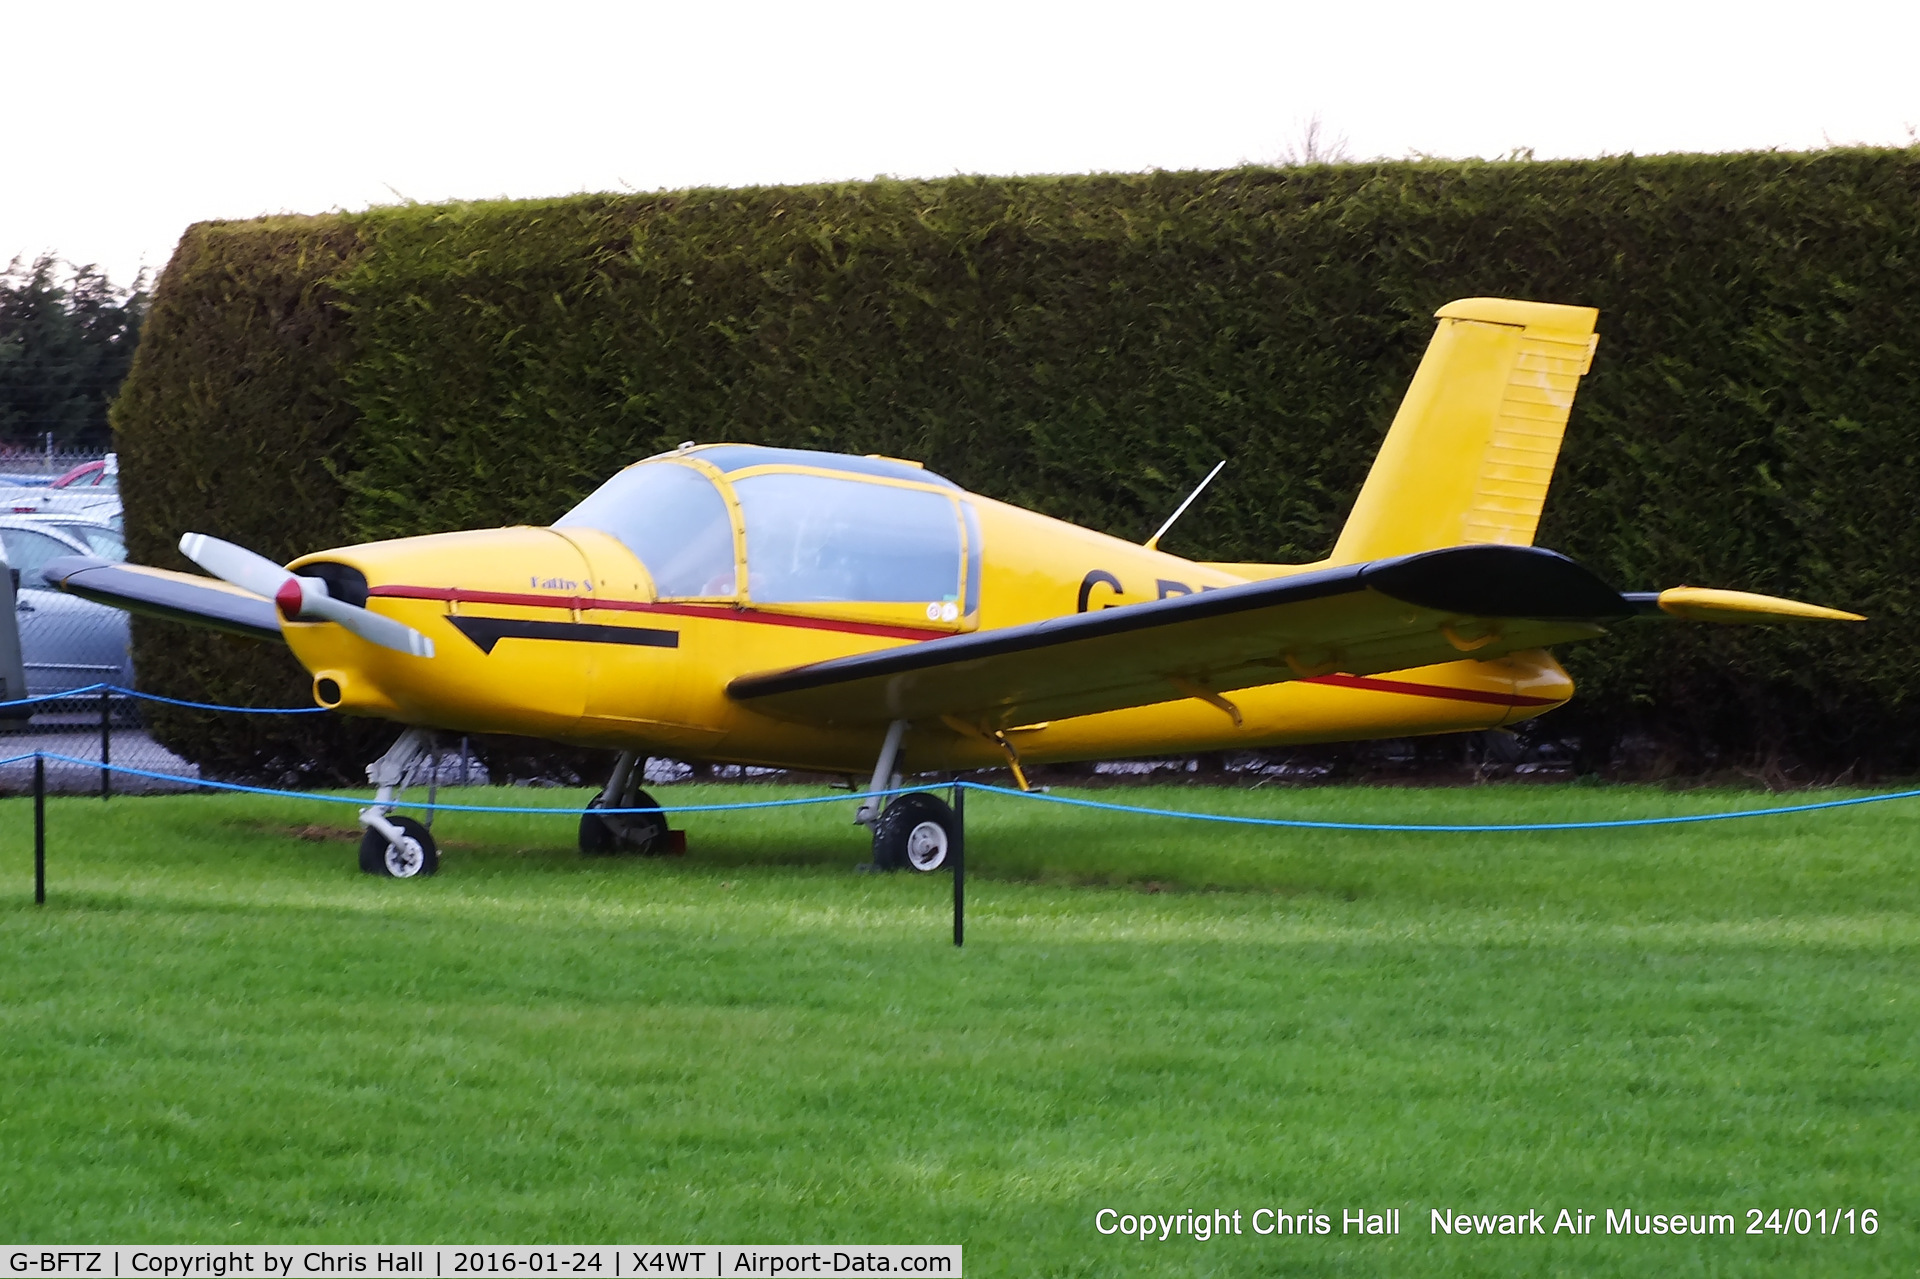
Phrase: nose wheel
pixel 413 855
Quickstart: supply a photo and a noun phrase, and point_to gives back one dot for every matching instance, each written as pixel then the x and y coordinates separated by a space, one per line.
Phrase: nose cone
pixel 445 586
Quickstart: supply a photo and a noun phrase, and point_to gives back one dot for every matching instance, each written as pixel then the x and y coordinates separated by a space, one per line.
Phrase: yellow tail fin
pixel 1471 451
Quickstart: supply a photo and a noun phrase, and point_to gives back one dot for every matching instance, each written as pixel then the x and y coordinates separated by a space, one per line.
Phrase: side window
pixel 972 604
pixel 31 552
pixel 672 519
pixel 811 539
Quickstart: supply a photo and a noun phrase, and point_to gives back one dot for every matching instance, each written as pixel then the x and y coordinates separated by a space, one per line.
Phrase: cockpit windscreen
pixel 673 520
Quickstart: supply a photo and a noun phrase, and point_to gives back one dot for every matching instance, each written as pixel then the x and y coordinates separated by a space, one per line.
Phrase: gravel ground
pixel 131 748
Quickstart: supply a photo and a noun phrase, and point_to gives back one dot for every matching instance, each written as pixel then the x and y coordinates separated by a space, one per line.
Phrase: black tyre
pixel 596 837
pixel 416 855
pixel 643 833
pixel 914 832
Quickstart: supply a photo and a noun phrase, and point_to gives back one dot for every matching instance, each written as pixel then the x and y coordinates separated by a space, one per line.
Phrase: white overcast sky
pixel 126 122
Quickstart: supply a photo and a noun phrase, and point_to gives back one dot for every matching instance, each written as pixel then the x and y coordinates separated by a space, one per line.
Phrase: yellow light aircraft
pixel 816 611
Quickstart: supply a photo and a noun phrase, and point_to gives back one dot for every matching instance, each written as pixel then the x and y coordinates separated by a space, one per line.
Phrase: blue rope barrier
pixel 87 689
pixel 241 788
pixel 1296 823
pixel 210 706
pixel 1450 829
pixel 68 695
pixel 1223 818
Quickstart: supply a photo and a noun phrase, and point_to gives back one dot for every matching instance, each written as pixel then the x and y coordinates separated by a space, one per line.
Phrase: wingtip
pixel 58 571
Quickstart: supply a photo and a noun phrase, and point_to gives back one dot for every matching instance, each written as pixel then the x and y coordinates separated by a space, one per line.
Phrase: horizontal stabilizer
pixel 1702 604
pixel 159 592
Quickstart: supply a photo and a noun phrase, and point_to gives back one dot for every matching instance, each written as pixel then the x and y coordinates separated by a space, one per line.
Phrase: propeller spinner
pixel 299 598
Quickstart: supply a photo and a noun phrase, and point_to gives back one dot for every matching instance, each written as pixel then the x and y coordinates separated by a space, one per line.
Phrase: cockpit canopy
pixel 810 528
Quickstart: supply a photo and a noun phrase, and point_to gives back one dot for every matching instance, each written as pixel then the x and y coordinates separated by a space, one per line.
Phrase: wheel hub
pixel 404 859
pixel 927 846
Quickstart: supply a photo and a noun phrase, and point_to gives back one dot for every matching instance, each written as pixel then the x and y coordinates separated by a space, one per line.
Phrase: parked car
pixel 91 489
pixel 102 473
pixel 65 642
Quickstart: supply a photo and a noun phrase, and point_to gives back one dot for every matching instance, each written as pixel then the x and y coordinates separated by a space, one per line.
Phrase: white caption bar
pixel 483 1261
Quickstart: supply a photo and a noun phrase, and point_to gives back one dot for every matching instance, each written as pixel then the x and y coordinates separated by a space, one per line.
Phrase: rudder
pixel 1471 451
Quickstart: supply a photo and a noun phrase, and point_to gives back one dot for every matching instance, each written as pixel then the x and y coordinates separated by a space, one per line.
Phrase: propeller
pixel 299 598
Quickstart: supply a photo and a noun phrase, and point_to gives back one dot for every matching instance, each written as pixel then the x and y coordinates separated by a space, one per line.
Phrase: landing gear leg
pixel 914 830
pixel 645 833
pixel 884 777
pixel 397 847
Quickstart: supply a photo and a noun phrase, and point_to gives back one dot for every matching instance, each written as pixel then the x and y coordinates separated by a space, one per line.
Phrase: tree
pixel 64 349
pixel 1316 144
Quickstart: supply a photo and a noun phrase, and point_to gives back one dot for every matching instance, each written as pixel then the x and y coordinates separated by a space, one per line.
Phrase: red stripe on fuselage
pixel 720 613
pixel 1372 685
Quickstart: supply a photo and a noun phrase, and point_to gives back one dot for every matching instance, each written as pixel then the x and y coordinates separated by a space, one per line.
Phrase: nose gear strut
pixel 397 847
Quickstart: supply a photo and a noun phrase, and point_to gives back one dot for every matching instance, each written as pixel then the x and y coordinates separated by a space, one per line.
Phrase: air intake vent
pixel 344 582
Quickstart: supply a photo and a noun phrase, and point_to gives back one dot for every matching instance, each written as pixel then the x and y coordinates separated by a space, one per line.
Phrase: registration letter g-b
pixel 1099 577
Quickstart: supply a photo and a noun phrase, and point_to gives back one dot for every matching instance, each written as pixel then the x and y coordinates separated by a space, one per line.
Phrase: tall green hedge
pixel 1089 346
pixel 236 421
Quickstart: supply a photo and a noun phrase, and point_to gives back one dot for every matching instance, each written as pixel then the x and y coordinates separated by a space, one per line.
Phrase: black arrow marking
pixel 485 632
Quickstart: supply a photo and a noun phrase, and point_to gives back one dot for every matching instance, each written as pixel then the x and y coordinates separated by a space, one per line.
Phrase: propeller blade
pixel 299 597
pixel 236 564
pixel 365 623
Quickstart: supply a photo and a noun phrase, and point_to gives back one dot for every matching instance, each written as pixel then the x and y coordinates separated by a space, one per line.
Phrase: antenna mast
pixel 1153 543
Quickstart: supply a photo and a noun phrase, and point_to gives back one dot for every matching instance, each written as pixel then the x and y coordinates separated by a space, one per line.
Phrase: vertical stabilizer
pixel 1471 451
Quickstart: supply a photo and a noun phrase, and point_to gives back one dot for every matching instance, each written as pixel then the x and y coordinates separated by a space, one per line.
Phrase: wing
pixel 158 592
pixel 1386 615
pixel 1360 619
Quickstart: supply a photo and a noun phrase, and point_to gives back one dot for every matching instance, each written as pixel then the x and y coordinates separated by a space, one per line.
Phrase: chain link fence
pixel 25 464
pixel 53 504
pixel 68 735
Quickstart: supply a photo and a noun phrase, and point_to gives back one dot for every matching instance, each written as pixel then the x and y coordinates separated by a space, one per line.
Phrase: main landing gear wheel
pixel 414 856
pixel 914 832
pixel 643 833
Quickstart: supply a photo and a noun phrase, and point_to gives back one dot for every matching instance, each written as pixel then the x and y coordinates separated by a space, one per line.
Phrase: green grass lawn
pixel 217 1029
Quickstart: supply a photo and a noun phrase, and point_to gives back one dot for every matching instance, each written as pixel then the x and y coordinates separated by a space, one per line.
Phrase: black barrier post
pixel 39 830
pixel 106 744
pixel 959 862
